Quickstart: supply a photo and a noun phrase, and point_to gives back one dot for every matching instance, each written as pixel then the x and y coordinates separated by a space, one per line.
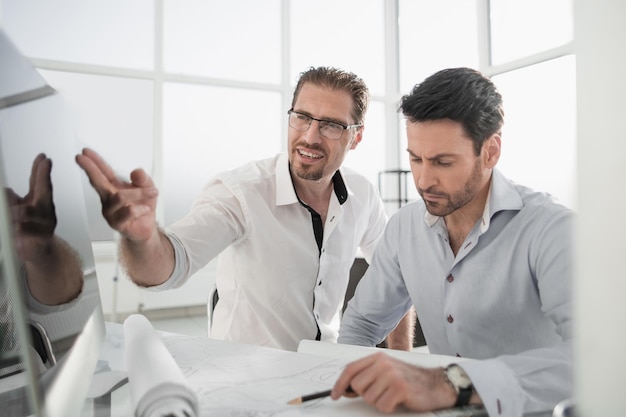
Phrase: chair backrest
pixel 41 343
pixel 213 299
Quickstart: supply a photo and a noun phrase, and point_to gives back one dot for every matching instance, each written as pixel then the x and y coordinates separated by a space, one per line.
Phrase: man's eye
pixel 330 126
pixel 303 117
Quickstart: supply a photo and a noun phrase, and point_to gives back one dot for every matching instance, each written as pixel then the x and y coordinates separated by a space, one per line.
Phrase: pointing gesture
pixel 128 207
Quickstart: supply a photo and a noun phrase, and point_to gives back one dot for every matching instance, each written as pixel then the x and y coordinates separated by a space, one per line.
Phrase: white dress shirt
pixel 275 286
pixel 505 297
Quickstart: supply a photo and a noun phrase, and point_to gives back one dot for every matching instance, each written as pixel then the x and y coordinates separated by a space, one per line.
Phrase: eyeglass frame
pixel 344 126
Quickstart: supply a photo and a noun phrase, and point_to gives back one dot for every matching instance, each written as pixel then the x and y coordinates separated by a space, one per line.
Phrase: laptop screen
pixel 51 323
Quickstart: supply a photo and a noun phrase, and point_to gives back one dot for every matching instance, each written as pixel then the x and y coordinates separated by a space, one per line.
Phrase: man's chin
pixel 305 174
pixel 437 210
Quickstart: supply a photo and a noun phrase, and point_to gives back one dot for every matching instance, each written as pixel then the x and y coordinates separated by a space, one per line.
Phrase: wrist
pixel 448 394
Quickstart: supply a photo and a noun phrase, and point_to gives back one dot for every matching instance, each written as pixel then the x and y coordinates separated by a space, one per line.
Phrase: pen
pixel 315 395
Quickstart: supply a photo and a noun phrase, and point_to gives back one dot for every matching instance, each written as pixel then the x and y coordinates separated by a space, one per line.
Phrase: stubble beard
pixel 306 172
pixel 458 200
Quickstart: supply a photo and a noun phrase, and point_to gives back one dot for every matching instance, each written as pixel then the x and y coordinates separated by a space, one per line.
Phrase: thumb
pixel 140 178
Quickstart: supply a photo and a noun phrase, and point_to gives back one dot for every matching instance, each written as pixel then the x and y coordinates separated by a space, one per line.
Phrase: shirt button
pixel 450 278
pixel 319 283
pixel 450 318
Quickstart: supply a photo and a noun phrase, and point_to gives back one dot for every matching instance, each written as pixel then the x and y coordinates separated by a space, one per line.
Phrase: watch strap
pixel 463 397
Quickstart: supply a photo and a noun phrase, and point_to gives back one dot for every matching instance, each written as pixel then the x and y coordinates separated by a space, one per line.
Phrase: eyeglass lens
pixel 302 122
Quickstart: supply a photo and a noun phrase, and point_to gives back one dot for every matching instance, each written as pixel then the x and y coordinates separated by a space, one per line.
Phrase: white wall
pixel 601 284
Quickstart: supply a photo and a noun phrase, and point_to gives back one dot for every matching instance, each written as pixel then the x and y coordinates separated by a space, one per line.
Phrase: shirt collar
pixel 285 191
pixel 502 196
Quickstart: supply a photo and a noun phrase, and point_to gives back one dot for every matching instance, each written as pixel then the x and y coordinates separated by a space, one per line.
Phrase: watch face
pixel 458 377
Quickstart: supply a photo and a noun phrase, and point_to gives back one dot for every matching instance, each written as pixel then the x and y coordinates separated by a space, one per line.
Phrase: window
pixel 348 34
pixel 521 28
pixel 237 40
pixel 158 84
pixel 533 65
pixel 112 33
pixel 207 130
pixel 539 134
pixel 435 35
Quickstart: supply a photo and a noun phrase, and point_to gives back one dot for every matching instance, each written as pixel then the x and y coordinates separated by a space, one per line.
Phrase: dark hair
pixel 463 95
pixel 337 79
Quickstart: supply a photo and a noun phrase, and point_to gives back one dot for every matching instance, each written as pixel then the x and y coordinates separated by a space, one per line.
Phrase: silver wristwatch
pixel 458 379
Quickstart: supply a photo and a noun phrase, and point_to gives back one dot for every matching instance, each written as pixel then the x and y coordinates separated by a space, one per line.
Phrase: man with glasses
pixel 286 229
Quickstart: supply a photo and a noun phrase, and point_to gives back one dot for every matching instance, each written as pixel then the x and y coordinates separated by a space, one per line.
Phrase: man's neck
pixel 461 222
pixel 314 191
pixel 315 194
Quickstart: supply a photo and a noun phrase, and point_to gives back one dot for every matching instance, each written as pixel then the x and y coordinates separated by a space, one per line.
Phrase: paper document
pixel 352 353
pixel 158 387
pixel 239 380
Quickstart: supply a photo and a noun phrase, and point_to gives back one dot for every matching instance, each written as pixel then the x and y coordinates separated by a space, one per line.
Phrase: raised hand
pixel 53 268
pixel 128 207
pixel 34 217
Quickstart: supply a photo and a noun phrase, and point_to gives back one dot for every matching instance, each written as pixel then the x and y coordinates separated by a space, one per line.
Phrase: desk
pixel 233 379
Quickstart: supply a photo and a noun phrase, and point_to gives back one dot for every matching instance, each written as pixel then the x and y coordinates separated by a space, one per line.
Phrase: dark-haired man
pixel 486 262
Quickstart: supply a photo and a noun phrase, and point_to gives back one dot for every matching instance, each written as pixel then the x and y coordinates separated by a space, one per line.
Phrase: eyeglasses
pixel 328 129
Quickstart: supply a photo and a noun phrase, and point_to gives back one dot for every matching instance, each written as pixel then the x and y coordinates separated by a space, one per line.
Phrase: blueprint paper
pixel 238 380
pixel 157 385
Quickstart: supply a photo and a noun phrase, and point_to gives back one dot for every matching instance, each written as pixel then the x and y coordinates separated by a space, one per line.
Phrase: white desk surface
pixel 240 380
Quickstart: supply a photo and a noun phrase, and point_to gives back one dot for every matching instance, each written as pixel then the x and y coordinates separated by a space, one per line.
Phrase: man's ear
pixel 491 148
pixel 357 138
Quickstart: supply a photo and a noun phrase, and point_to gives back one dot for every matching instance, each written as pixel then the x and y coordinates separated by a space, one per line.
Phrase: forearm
pixel 401 338
pixel 56 276
pixel 150 262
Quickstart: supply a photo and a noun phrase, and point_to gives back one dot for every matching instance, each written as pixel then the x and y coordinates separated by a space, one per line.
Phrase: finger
pixel 15 206
pixel 387 401
pixel 33 170
pixel 97 160
pixel 40 181
pixel 128 198
pixel 140 178
pixel 103 181
pixel 380 388
pixel 351 371
pixel 12 197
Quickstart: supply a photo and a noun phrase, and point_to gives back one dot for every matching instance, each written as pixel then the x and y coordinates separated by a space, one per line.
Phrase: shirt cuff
pixel 181 266
pixel 497 386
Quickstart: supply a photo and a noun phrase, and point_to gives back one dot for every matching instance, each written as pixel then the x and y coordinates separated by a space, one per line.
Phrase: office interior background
pixel 189 88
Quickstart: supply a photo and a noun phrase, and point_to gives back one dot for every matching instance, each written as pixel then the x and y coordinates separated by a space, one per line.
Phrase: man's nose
pixel 312 134
pixel 426 177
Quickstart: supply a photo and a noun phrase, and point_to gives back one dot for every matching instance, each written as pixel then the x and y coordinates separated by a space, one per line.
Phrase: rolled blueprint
pixel 158 387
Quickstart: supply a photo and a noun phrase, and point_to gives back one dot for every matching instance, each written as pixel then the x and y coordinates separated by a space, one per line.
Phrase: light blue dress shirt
pixel 504 298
